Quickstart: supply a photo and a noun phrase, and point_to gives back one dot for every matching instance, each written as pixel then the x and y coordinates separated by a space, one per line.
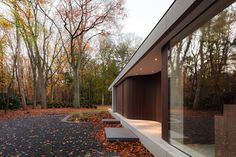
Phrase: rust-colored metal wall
pixel 119 99
pixel 141 98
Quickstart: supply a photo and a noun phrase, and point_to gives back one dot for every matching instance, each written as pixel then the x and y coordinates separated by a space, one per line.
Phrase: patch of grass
pixel 91 111
pixel 88 115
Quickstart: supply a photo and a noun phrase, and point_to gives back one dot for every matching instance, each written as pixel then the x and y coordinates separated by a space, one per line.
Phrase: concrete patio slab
pixel 110 121
pixel 120 134
pixel 149 134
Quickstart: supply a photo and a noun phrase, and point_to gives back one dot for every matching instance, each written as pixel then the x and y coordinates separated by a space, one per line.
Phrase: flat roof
pixel 182 18
pixel 175 11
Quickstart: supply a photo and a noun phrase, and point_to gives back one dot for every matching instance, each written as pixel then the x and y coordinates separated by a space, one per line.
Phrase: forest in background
pixel 61 53
pixel 202 66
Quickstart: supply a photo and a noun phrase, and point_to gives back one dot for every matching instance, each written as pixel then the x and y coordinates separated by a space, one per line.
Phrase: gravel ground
pixel 46 135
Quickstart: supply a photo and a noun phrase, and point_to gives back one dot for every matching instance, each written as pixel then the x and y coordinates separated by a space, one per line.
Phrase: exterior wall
pixel 194 104
pixel 119 98
pixel 225 132
pixel 139 91
pixel 113 99
pixel 140 97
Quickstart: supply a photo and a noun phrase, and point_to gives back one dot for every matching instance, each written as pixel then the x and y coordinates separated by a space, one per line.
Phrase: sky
pixel 143 15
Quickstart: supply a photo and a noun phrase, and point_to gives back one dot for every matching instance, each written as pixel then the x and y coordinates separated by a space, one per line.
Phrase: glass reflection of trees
pixel 203 65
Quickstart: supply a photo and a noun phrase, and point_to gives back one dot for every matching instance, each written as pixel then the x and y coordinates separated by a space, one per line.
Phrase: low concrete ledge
pixel 155 144
pixel 65 120
pixel 110 121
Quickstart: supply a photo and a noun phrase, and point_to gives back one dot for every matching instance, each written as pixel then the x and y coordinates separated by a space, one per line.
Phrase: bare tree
pixel 82 21
pixel 19 69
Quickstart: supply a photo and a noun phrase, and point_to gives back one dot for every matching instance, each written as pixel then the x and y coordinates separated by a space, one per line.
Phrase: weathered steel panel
pixel 141 97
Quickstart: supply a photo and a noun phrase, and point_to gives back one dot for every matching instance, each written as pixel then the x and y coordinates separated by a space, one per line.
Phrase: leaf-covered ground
pixel 33 112
pixel 42 133
pixel 126 149
pixel 46 135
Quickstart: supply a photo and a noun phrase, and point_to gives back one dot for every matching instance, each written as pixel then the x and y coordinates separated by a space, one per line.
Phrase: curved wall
pixel 139 97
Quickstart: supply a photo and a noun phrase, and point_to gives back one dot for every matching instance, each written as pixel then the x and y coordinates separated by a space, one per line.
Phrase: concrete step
pixel 110 121
pixel 120 134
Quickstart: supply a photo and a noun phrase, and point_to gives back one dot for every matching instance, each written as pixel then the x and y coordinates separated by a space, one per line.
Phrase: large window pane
pixel 202 73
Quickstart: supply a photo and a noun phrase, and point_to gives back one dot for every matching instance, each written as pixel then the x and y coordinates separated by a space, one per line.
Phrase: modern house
pixel 173 93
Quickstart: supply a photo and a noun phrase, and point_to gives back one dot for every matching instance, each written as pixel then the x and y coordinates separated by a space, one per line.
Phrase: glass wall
pixel 202 80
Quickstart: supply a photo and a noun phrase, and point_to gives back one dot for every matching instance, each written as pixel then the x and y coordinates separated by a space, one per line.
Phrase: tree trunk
pixel 52 92
pixel 198 90
pixel 19 69
pixel 199 77
pixel 35 89
pixel 42 88
pixel 43 94
pixel 76 86
pixel 20 83
pixel 103 102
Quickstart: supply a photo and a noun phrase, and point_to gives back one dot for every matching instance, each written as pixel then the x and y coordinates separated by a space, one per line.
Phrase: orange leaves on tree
pixel 29 13
pixel 5 23
pixel 87 47
pixel 41 1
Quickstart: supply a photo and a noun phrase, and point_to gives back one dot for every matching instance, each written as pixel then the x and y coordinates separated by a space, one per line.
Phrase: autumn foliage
pixel 126 149
pixel 55 52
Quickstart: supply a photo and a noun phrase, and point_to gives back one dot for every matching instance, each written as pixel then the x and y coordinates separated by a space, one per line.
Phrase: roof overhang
pixel 177 18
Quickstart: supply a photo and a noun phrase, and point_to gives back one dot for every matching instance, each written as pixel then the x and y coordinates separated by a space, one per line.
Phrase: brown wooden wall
pixel 141 98
pixel 119 99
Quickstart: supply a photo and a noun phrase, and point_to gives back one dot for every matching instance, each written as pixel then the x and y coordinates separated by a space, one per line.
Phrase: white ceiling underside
pixel 144 58
pixel 148 61
pixel 149 64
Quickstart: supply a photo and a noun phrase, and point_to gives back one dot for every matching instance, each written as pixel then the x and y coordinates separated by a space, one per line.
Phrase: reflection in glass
pixel 202 73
